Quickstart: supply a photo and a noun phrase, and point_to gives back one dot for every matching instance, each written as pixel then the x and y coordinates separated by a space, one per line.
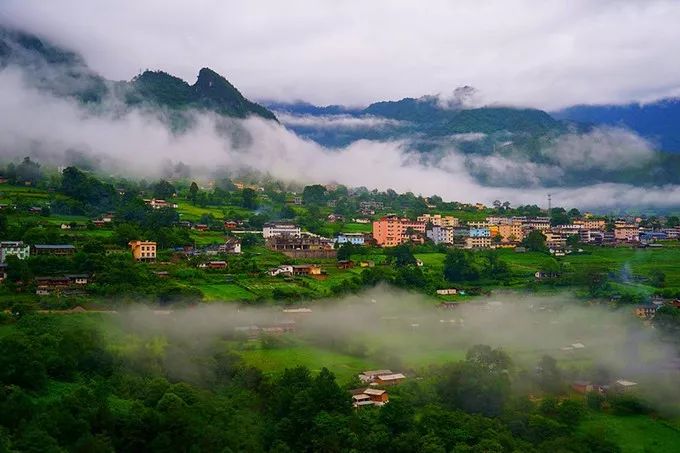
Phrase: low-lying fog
pixel 408 332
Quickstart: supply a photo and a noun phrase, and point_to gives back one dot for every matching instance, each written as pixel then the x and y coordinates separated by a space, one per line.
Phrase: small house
pixel 345 264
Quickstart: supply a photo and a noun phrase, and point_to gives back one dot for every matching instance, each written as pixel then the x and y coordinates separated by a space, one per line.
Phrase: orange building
pixel 391 230
pixel 143 250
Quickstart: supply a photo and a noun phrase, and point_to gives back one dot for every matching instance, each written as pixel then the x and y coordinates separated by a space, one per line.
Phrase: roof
pixel 375 392
pixel 377 372
pixel 54 246
pixel 391 377
pixel 624 383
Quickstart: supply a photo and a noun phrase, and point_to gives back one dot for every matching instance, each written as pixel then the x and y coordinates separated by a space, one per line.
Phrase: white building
pixel 440 235
pixel 270 230
pixel 14 248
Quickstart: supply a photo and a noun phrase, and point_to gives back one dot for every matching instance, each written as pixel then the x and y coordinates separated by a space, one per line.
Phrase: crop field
pixel 634 433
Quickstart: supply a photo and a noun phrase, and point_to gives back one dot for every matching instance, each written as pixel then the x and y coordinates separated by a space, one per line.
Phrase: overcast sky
pixel 540 53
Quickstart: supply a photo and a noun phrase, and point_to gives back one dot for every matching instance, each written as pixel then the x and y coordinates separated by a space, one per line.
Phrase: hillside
pixel 657 121
pixel 65 73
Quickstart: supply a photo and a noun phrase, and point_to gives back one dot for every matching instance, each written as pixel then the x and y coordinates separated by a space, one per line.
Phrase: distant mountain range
pixel 500 145
pixel 658 121
pixel 65 73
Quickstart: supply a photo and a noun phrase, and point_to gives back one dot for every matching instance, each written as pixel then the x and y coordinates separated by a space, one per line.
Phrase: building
pixel 53 249
pixel 231 245
pixel 511 232
pixel 626 232
pixel 14 248
pixel 345 264
pixel 440 235
pixel 591 224
pixel 447 292
pixel 158 204
pixel 645 311
pixel 285 270
pixel 306 269
pixel 351 238
pixel 274 229
pixel 370 376
pixel 230 224
pixel 439 220
pixel 392 230
pixel 369 397
pixel 143 250
pixel 389 379
pixel 479 232
pixel 477 242
pixel 304 246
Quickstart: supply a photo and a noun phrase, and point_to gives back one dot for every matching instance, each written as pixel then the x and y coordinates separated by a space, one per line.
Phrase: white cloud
pixel 336 121
pixel 541 53
pixel 137 143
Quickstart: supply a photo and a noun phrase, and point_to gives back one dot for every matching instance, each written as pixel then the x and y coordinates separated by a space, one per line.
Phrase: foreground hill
pixel 65 73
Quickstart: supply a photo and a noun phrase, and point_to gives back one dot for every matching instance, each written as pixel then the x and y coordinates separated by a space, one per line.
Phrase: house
pixel 447 292
pixel 78 279
pixel 335 218
pixel 230 224
pixel 306 269
pixel 214 265
pixel 542 275
pixel 389 379
pixel 582 387
pixel 624 386
pixel 275 229
pixel 645 311
pixel 53 249
pixel 345 264
pixel 303 246
pixel 159 204
pixel 369 397
pixel 351 238
pixel 231 245
pixel 367 263
pixel 201 227
pixel 143 250
pixel 285 270
pixel 14 248
pixel 371 375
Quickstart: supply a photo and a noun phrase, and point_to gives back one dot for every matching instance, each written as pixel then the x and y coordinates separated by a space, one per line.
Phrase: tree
pixel 559 216
pixel 163 190
pixel 193 192
pixel 535 241
pixel 249 199
pixel 458 267
pixel 549 376
pixel 345 251
pixel 314 194
pixel 402 255
pixel 672 221
pixel 28 171
pixel 573 240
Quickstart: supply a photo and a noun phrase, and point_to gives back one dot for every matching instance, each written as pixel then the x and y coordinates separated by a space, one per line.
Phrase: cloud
pixel 337 121
pixel 138 143
pixel 520 52
pixel 603 148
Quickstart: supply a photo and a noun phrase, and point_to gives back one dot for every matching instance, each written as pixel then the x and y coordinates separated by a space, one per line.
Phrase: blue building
pixel 352 238
pixel 479 233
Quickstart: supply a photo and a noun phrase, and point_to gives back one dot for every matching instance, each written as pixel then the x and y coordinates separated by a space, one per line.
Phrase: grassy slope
pixel 635 433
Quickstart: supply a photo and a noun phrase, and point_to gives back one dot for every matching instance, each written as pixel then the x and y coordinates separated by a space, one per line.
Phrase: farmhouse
pixel 159 204
pixel 306 269
pixel 389 379
pixel 53 249
pixel 369 397
pixel 143 250
pixel 285 270
pixel 275 229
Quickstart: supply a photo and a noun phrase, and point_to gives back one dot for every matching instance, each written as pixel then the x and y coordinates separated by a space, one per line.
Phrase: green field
pixel 225 292
pixel 634 433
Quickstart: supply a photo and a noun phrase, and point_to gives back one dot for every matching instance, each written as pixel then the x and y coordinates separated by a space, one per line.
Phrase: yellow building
pixel 511 232
pixel 143 250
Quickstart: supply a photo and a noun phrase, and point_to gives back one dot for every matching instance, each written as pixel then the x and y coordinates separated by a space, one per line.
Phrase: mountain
pixel 65 73
pixel 659 121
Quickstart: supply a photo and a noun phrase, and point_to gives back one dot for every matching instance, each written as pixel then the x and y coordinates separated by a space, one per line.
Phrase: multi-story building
pixel 511 232
pixel 273 229
pixel 391 230
pixel 143 250
pixel 14 248
pixel 555 240
pixel 440 235
pixel 479 242
pixel 439 220
pixel 591 224
pixel 626 232
pixel 158 204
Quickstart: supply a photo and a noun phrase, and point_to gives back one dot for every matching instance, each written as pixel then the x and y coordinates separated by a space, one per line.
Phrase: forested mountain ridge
pixel 65 73
pixel 657 121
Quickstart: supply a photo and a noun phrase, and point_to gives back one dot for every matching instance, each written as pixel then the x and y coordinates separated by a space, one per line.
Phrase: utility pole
pixel 549 203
